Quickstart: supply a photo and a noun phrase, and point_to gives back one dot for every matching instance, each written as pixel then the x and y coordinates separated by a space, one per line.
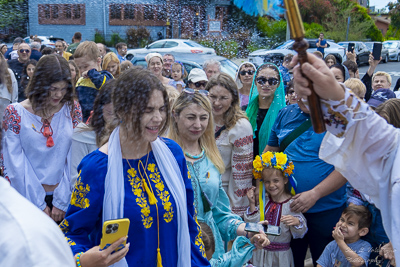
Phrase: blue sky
pixel 379 3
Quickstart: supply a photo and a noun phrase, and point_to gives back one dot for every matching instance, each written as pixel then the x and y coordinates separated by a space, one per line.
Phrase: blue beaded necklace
pixel 195 156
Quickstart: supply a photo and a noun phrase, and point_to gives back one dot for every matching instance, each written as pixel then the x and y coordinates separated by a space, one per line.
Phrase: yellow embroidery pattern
pixel 137 190
pixel 199 241
pixel 64 226
pixel 78 197
pixel 70 242
pixel 189 175
pixel 161 192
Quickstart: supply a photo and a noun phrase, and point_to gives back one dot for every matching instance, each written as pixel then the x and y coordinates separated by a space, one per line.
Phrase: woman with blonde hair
pixel 8 85
pixel 234 138
pixel 193 129
pixel 111 64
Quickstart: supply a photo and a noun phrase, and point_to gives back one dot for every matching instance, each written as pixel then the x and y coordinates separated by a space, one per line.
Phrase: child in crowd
pixel 111 64
pixel 330 60
pixel 75 74
pixel 284 69
pixel 357 86
pixel 87 58
pixel 27 72
pixel 126 65
pixel 178 74
pixel 275 172
pixel 348 249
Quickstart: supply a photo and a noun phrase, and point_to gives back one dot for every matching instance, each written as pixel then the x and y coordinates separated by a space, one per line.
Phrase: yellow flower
pixel 132 172
pixel 151 167
pixel 256 174
pixel 160 186
pixel 267 156
pixel 137 192
pixel 281 158
pixel 167 206
pixel 145 211
pixel 257 163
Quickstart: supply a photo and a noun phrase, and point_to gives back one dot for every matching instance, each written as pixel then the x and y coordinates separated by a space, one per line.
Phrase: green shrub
pixel 137 37
pixel 99 37
pixel 312 30
pixel 115 39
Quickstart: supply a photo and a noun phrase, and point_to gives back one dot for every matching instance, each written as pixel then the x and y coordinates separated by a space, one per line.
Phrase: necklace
pixel 195 156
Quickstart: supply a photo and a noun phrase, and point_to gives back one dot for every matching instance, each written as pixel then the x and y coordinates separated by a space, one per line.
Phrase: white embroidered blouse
pixel 29 163
pixel 236 148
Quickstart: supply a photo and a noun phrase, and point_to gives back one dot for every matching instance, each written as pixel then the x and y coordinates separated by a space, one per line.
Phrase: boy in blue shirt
pixel 87 58
pixel 348 250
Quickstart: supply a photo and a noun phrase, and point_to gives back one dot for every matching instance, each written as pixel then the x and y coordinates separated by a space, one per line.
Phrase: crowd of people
pixel 209 169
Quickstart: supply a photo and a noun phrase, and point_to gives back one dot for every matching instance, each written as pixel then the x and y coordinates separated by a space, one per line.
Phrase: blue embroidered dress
pixel 82 224
pixel 220 218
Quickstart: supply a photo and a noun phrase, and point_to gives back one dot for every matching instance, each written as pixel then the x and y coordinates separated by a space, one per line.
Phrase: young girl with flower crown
pixel 275 173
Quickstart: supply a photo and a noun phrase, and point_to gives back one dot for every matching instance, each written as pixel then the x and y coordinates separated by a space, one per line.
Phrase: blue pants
pixel 320 226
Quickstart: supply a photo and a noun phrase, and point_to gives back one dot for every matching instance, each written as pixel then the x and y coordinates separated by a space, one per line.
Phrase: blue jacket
pixel 88 88
pixel 36 55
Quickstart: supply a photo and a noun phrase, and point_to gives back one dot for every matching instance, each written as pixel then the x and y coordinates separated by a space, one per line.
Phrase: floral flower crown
pixel 277 160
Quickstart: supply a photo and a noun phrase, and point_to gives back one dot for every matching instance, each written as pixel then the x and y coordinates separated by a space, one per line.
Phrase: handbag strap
pixel 294 134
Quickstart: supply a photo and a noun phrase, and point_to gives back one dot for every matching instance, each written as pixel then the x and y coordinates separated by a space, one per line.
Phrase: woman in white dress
pixel 37 138
pixel 234 137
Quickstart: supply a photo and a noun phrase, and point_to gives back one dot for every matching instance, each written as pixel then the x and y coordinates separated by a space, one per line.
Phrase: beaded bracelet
pixel 78 259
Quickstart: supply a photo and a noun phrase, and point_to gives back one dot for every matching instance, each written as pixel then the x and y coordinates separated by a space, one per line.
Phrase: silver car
pixel 394 49
pixel 276 55
pixel 173 46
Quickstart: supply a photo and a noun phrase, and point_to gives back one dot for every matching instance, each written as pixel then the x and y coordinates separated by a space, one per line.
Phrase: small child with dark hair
pixel 348 250
pixel 284 69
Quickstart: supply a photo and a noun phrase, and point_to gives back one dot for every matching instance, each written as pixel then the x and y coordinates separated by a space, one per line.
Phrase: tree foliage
pixel 394 13
pixel 315 10
pixel 13 18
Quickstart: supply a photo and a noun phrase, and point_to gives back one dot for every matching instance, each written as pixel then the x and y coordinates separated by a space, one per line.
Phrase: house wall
pixel 97 17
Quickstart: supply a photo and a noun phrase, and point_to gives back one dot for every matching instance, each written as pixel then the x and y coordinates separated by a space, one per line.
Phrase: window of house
pixel 63 14
pixel 138 14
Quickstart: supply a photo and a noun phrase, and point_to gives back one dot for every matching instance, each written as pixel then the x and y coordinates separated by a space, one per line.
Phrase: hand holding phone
pixel 268 229
pixel 351 46
pixel 377 50
pixel 113 230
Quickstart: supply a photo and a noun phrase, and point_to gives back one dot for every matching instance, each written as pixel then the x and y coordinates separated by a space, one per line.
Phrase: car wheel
pixel 386 59
pixel 398 58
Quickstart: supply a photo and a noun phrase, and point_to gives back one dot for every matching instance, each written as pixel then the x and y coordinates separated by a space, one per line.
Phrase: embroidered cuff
pixel 341 115
pixel 248 213
pixel 301 225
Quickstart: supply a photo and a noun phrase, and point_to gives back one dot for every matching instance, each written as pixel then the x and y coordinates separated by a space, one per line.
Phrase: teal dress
pixel 206 178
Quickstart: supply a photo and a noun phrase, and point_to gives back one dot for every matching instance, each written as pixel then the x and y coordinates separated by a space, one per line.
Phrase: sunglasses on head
pixel 193 91
pixel 24 51
pixel 263 80
pixel 249 72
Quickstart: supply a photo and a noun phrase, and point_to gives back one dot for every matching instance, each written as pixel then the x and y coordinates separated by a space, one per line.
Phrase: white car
pixel 173 46
pixel 276 55
pixel 46 40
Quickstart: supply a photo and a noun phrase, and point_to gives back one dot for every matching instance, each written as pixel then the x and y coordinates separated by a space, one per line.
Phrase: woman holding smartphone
pixel 137 176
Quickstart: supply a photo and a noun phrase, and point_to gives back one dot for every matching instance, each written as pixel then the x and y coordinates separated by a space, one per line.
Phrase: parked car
pixel 384 53
pixel 277 54
pixel 191 61
pixel 46 40
pixel 394 49
pixel 173 46
pixel 361 50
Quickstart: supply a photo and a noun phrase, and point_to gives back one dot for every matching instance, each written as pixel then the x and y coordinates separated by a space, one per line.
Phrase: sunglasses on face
pixel 249 72
pixel 262 80
pixel 193 91
pixel 200 84
pixel 24 51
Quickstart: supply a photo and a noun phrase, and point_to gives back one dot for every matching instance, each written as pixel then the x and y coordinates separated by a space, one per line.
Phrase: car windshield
pixel 390 44
pixel 228 67
pixel 369 45
pixel 284 45
pixel 192 44
pixel 343 44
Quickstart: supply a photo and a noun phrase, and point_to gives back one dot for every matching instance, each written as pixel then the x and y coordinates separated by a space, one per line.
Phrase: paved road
pixel 393 68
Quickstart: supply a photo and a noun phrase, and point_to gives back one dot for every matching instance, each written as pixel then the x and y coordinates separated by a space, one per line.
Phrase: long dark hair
pixel 97 122
pixel 50 69
pixel 24 77
pixel 5 77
